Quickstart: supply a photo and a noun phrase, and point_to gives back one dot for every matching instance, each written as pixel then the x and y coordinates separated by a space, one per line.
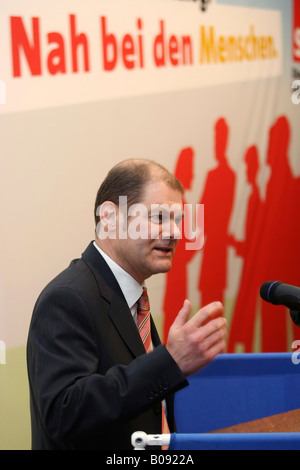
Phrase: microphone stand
pixel 295 315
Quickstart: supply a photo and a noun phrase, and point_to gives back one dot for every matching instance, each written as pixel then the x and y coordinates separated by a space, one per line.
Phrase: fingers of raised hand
pixel 207 313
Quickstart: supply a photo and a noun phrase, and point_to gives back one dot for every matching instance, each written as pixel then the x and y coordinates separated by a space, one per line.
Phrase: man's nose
pixel 171 230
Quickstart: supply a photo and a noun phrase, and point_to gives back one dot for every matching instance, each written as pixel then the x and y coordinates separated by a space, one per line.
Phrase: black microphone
pixel 278 293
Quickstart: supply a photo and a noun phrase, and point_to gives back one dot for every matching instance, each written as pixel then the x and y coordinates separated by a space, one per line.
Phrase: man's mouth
pixel 164 249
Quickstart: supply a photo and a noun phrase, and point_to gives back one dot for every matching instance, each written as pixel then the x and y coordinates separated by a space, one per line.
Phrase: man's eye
pixel 157 218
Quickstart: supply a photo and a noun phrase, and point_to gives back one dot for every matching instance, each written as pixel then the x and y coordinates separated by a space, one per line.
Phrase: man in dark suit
pixel 91 382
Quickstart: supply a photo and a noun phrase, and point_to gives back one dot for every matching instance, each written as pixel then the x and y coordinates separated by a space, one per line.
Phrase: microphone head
pixel 265 290
pixel 278 293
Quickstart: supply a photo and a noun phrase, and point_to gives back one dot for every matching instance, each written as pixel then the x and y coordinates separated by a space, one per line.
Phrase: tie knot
pixel 143 302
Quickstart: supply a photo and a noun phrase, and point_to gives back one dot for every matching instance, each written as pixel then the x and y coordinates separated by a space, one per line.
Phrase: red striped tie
pixel 143 316
pixel 144 326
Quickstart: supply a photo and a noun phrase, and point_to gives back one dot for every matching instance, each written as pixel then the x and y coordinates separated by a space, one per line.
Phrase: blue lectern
pixel 233 389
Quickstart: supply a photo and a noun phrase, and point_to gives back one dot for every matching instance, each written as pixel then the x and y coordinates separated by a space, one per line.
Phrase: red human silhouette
pixel 279 254
pixel 244 314
pixel 217 197
pixel 293 252
pixel 176 290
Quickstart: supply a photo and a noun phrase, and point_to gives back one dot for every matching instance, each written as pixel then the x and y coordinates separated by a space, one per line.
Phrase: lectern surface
pixel 281 422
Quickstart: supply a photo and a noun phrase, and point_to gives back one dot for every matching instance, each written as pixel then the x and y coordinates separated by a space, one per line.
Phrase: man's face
pixel 150 232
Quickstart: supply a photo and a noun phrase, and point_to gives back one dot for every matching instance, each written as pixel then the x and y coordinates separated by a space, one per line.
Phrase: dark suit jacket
pixel 91 383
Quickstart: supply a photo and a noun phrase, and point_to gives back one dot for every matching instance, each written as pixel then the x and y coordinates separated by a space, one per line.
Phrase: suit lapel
pixel 121 316
pixel 118 309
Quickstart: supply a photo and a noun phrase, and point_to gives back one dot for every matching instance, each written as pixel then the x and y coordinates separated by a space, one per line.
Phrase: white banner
pixel 74 54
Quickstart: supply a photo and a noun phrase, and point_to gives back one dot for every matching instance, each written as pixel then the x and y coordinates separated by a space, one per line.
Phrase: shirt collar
pixel 131 289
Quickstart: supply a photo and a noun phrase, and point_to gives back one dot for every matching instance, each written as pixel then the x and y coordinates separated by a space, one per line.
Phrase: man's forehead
pixel 160 192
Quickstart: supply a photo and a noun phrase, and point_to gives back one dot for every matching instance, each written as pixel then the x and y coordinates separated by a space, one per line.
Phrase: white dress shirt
pixel 131 289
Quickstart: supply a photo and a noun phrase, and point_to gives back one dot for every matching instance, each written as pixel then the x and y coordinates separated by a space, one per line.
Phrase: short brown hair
pixel 128 178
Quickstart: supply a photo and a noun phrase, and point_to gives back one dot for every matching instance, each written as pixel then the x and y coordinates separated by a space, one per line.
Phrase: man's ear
pixel 107 225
